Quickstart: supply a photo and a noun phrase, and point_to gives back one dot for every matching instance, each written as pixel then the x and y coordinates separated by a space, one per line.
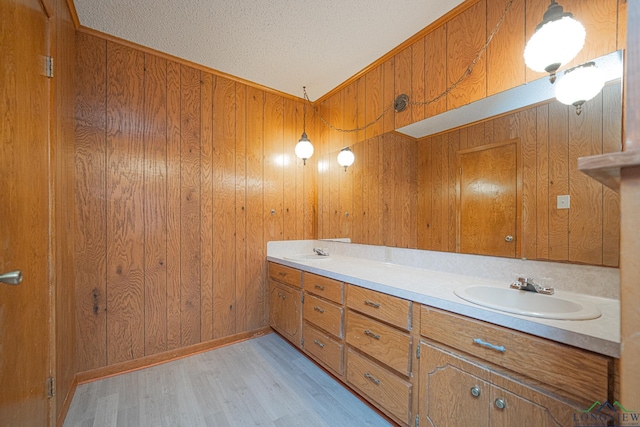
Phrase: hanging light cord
pixel 454 85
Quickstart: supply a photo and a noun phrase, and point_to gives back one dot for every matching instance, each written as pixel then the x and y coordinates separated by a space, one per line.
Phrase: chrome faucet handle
pixel 516 285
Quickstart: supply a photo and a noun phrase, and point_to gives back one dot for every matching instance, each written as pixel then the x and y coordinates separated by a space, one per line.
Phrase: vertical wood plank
pixel 174 248
pixel 190 230
pixel 424 193
pixel 357 224
pixel 206 208
pixel 350 121
pixel 373 102
pixel 585 214
pixel 241 210
pixel 390 209
pixel 361 113
pixel 527 119
pixel 611 143
pixel 505 62
pixel 388 96
pixel 336 172
pixel 476 135
pixel 453 145
pixel 558 180
pixel 374 199
pixel 255 287
pixel 155 204
pixel 292 135
pixel 412 171
pixel 542 182
pixel 311 188
pixel 437 168
pixel 224 208
pixel 417 79
pixel 91 209
pixel 465 37
pixel 273 172
pixel 402 65
pixel 125 207
pixel 444 194
pixel 435 63
pixel 290 184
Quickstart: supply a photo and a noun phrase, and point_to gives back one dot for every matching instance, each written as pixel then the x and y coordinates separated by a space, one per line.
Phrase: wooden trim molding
pixel 48 8
pixel 74 13
pixel 182 61
pixel 167 356
pixel 62 415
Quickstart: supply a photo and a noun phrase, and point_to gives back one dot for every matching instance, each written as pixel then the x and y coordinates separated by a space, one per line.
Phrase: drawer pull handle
pixel 319 287
pixel 318 309
pixel 475 391
pixel 371 334
pixel 372 304
pixel 372 378
pixel 499 348
pixel 500 403
pixel 282 273
pixel 281 295
pixel 318 343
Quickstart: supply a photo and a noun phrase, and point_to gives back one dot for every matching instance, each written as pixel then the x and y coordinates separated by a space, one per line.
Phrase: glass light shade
pixel 554 44
pixel 346 157
pixel 304 148
pixel 580 84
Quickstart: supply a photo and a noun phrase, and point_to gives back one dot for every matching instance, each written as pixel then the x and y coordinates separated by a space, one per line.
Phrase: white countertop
pixel 433 288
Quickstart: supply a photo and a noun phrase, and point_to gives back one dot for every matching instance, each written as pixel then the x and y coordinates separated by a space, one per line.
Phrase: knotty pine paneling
pixel 176 171
pixel 552 137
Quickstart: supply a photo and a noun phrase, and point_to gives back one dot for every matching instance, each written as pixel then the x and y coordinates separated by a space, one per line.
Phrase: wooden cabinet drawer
pixel 573 370
pixel 324 287
pixel 387 308
pixel 323 314
pixel 285 274
pixel 388 345
pixel 391 392
pixel 323 348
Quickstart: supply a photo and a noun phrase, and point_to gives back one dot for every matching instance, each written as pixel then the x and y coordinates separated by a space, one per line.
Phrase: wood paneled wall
pixel 552 138
pixel 436 59
pixel 182 178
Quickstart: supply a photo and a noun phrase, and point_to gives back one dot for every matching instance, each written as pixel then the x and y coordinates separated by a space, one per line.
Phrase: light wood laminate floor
pixel 263 381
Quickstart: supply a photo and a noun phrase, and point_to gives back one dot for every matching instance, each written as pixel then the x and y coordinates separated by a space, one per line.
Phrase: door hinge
pixel 302 298
pixel 51 387
pixel 48 66
pixel 418 352
pixel 417 421
pixel 302 342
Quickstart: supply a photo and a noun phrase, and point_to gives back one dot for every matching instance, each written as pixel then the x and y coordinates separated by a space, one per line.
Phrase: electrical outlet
pixel 564 202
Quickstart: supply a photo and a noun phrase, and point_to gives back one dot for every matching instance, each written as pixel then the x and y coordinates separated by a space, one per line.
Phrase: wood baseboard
pixel 167 356
pixel 67 403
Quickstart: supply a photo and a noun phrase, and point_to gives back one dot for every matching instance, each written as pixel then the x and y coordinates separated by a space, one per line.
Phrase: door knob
pixel 509 238
pixel 11 278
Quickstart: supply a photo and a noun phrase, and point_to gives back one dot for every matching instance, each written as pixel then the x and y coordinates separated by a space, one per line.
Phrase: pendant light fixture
pixel 579 84
pixel 304 147
pixel 556 41
pixel 346 158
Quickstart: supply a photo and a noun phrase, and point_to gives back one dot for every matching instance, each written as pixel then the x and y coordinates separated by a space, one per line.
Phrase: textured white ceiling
pixel 281 44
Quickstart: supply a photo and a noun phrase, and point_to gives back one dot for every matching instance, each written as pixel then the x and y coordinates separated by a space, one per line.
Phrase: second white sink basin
pixel 528 303
pixel 307 257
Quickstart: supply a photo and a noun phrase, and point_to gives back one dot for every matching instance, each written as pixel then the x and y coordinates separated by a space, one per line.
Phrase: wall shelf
pixel 606 167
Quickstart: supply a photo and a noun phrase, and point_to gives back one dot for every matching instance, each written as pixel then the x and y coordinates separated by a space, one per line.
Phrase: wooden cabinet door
pixel 446 386
pixel 286 314
pixel 25 309
pixel 488 200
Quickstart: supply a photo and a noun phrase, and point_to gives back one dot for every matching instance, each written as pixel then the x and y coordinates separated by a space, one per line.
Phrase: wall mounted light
pixel 304 147
pixel 580 84
pixel 556 41
pixel 346 157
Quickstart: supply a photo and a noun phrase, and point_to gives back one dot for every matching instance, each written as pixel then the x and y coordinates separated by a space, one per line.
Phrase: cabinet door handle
pixel 318 343
pixel 372 378
pixel 372 304
pixel 281 295
pixel 499 348
pixel 282 273
pixel 500 403
pixel 318 309
pixel 475 391
pixel 371 334
pixel 319 287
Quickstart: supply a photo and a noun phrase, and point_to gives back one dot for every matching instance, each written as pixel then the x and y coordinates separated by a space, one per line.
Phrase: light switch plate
pixel 564 202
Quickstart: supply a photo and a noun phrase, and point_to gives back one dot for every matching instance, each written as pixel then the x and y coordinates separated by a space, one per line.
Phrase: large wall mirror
pixel 404 191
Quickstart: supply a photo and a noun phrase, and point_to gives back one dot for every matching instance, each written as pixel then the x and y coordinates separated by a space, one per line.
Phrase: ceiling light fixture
pixel 304 147
pixel 556 41
pixel 346 158
pixel 580 84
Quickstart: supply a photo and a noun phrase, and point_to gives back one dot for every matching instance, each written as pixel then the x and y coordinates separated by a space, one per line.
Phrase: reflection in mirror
pixel 403 192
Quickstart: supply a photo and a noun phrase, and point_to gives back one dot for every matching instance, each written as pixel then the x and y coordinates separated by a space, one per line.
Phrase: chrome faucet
pixel 526 284
pixel 321 251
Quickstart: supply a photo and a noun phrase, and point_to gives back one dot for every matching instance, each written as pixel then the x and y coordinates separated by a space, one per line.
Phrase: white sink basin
pixel 307 257
pixel 528 303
